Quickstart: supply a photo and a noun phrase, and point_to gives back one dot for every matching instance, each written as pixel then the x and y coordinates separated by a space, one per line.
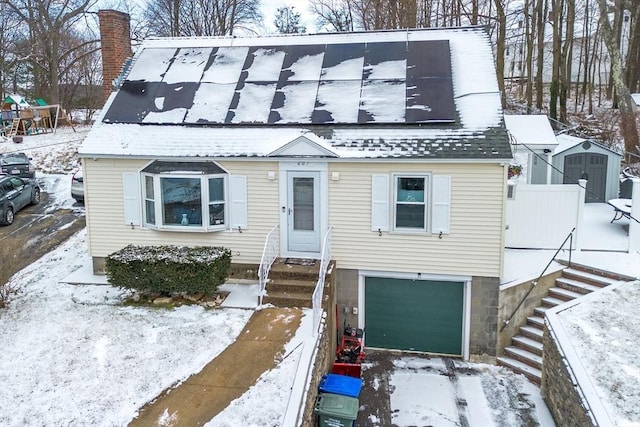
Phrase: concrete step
pixel 592 276
pixel 541 310
pixel 551 301
pixel 299 269
pixel 532 332
pixel 576 285
pixel 563 294
pixel 533 374
pixel 291 286
pixel 528 344
pixel 536 321
pixel 524 356
pixel 287 299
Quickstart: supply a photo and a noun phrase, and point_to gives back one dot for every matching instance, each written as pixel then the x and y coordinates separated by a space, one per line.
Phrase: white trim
pixel 131 195
pixel 440 204
pixel 302 146
pixel 380 209
pixel 466 299
pixel 204 227
pixel 426 202
pixel 323 187
pixel 240 158
pixel 466 320
pixel 237 202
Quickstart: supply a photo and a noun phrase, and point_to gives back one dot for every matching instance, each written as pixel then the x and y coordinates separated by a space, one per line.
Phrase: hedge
pixel 169 269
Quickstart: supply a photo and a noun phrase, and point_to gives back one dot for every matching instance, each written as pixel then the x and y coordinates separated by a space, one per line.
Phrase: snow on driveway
pixel 437 392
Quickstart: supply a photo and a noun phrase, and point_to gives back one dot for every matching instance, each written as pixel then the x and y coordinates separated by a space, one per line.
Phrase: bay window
pixel 185 196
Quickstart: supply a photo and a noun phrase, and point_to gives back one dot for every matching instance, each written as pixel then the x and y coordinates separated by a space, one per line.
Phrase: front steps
pixel 291 282
pixel 525 354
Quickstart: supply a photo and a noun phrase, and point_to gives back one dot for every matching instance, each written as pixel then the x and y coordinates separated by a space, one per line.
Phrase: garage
pixel 414 315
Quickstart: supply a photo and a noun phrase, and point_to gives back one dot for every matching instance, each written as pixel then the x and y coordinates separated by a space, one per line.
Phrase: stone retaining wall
pixel 558 389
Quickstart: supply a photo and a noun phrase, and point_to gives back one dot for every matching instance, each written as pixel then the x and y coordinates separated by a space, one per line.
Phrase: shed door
pixel 591 166
pixel 415 315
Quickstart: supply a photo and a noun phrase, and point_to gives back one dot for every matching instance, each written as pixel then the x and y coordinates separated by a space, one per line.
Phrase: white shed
pixel 532 139
pixel 576 158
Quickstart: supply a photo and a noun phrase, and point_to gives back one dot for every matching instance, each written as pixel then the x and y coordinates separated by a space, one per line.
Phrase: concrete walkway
pixel 203 395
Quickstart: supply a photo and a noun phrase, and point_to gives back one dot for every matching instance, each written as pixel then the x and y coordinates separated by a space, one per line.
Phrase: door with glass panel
pixel 303 211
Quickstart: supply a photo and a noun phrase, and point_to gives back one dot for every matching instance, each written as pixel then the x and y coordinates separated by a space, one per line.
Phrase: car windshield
pixel 14 160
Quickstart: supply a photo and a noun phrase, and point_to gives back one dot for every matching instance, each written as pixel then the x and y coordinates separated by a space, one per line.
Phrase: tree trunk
pixel 566 60
pixel 541 18
pixel 627 116
pixel 530 36
pixel 500 46
pixel 557 7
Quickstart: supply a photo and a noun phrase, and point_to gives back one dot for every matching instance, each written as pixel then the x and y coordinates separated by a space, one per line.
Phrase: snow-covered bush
pixel 169 269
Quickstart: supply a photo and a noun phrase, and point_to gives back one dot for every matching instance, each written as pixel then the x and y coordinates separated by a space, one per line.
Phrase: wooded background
pixel 570 59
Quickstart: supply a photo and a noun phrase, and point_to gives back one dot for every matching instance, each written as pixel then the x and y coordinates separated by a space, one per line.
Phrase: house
pixel 390 146
pixel 532 142
pixel 577 158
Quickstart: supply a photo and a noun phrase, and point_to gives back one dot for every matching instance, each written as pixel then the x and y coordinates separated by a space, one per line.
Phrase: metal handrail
pixel 269 254
pixel 317 292
pixel 535 282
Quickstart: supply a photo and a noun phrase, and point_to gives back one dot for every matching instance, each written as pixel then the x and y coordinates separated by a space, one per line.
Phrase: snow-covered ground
pixel 73 356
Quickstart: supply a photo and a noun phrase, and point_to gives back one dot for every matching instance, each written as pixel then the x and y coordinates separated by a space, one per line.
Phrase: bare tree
pixel 200 17
pixel 336 15
pixel 625 104
pixel 47 24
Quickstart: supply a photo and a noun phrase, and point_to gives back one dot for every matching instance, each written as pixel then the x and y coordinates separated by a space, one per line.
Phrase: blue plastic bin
pixel 340 384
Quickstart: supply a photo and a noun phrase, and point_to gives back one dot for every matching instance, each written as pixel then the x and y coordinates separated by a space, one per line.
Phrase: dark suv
pixel 17 164
pixel 15 194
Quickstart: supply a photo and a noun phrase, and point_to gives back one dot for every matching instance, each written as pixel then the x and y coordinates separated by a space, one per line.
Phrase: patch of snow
pixel 384 100
pixel 350 69
pixel 226 66
pixel 254 103
pixel 73 355
pixel 308 67
pixel 211 102
pixel 299 102
pixel 151 64
pixel 266 66
pixel 188 65
pixel 341 99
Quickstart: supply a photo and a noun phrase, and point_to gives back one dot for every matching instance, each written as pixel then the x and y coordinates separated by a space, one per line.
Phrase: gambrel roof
pixel 428 93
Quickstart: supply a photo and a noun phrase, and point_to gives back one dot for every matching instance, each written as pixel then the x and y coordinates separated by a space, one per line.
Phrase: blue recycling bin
pixel 340 384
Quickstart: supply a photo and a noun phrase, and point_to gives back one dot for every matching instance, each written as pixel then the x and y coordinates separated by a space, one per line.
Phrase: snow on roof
pixel 477 133
pixel 14 98
pixel 566 142
pixel 533 131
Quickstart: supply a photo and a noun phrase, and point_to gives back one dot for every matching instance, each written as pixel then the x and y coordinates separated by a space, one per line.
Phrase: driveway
pixel 416 390
pixel 36 231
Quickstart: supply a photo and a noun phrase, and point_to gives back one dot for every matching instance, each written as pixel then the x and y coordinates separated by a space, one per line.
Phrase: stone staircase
pixel 524 355
pixel 292 282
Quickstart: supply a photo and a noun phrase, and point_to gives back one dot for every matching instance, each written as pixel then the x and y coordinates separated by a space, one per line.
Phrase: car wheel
pixel 35 197
pixel 8 217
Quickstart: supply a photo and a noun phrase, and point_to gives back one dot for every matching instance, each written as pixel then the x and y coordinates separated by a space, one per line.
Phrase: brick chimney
pixel 115 35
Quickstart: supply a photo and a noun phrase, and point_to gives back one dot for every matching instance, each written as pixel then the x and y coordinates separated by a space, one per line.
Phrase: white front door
pixel 303 211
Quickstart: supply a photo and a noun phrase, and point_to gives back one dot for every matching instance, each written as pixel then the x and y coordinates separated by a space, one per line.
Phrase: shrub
pixel 169 269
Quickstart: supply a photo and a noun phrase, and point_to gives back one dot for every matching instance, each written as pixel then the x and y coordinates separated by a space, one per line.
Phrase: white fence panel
pixel 541 216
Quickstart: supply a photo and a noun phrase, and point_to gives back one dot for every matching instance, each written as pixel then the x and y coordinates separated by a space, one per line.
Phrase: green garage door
pixel 417 315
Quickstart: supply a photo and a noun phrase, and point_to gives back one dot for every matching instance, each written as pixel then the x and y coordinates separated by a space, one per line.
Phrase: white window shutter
pixel 379 202
pixel 238 201
pixel 131 191
pixel 441 204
